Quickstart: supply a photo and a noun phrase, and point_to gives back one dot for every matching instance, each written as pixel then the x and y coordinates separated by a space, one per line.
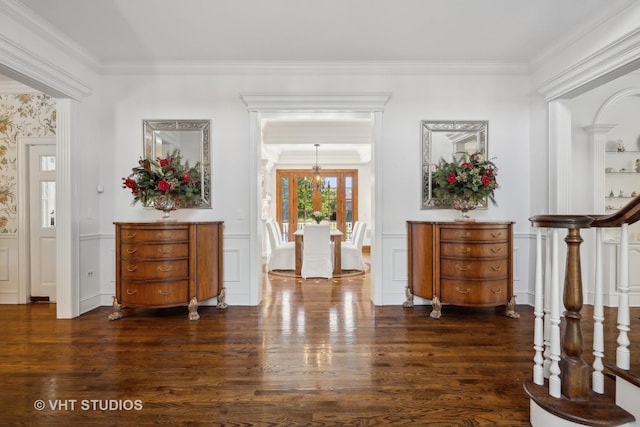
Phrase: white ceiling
pixel 114 31
pixel 119 33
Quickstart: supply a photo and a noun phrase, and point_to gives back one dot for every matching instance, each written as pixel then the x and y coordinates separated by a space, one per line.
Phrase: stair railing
pixel 559 362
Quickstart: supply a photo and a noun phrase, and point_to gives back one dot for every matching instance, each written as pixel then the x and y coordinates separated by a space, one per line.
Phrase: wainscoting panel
pixel 9 292
pixel 394 269
pixel 4 264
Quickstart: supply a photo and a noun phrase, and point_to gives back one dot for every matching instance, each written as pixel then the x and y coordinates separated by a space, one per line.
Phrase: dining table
pixel 336 238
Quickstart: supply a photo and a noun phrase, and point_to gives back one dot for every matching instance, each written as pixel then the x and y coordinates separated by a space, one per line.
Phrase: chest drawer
pixel 497 234
pixel 474 269
pixel 154 294
pixel 156 250
pixel 151 235
pixel 155 270
pixel 468 293
pixel 474 250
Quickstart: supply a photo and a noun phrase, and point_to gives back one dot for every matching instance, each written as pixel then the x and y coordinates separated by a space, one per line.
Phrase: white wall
pixel 503 100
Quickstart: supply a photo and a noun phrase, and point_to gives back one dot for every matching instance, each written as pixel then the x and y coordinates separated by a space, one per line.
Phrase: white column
pixel 559 158
pixel 67 221
pixel 597 136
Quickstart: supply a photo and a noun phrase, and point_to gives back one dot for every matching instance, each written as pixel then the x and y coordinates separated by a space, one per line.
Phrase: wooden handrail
pixel 628 214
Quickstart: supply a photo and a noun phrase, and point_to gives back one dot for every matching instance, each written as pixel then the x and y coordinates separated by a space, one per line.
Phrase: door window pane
pixel 47 163
pixel 48 204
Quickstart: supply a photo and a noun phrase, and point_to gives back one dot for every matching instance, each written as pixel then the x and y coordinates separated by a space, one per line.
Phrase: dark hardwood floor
pixel 314 353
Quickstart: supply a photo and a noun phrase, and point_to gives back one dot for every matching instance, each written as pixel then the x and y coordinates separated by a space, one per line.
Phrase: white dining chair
pixel 282 255
pixel 354 230
pixel 317 258
pixel 352 251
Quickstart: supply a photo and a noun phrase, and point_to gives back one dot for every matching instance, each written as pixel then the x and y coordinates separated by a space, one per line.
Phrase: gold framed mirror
pixel 192 138
pixel 449 140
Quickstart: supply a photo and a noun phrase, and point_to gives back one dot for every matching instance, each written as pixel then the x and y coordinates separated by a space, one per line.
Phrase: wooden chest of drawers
pixel 461 263
pixel 166 264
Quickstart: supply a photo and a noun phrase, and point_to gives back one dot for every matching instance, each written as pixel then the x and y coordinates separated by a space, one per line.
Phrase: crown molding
pixel 613 60
pixel 34 71
pixel 26 66
pixel 316 67
pixel 33 22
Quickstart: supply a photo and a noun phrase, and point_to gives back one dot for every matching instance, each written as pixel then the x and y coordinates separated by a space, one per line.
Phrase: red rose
pixel 130 183
pixel 164 162
pixel 486 181
pixel 490 171
pixel 186 177
pixel 451 178
pixel 164 185
pixel 466 164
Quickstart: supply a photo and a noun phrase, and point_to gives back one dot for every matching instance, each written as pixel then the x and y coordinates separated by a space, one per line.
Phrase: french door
pixel 298 196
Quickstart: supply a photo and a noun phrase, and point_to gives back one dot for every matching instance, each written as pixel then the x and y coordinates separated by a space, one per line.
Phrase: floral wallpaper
pixel 25 114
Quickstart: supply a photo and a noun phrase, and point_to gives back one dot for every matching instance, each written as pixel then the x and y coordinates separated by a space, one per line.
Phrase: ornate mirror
pixel 191 137
pixel 448 140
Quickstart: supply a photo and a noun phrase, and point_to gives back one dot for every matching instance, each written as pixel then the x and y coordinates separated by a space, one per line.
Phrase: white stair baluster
pixel 538 339
pixel 554 369
pixel 547 301
pixel 598 318
pixel 622 352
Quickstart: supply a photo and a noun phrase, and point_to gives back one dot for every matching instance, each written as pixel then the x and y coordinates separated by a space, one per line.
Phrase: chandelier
pixel 318 182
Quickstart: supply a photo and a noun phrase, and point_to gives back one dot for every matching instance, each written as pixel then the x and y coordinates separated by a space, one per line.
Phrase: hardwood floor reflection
pixel 314 353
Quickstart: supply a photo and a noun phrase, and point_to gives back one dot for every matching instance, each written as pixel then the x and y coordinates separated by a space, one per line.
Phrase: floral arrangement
pixel 163 179
pixel 317 216
pixel 472 179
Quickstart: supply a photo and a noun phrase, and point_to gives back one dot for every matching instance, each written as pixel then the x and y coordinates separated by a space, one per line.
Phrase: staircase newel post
pixel 575 371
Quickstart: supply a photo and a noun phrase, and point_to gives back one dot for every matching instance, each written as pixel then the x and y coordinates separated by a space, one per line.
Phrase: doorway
pixel 297 197
pixel 38 217
pixel 42 222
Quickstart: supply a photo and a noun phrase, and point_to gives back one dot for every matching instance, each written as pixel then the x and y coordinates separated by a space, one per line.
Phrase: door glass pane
pixel 284 207
pixel 47 163
pixel 329 201
pixel 305 200
pixel 348 206
pixel 47 204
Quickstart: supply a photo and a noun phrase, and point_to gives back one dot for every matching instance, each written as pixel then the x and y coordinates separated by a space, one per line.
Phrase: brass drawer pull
pixel 166 235
pixel 131 269
pixel 161 292
pixel 131 235
pixel 131 292
pixel 462 268
pixel 496 267
pixel 497 291
pixel 462 234
pixel 468 291
pixel 464 251
pixel 496 250
pixel 496 234
pixel 132 251
pixel 164 250
pixel 165 268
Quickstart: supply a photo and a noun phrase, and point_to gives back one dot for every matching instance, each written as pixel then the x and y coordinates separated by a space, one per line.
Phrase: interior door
pixel 42 221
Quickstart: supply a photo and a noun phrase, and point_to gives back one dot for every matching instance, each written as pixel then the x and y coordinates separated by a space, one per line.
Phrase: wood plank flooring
pixel 314 353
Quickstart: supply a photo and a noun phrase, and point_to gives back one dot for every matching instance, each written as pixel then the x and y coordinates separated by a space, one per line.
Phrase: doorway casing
pixel 260 104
